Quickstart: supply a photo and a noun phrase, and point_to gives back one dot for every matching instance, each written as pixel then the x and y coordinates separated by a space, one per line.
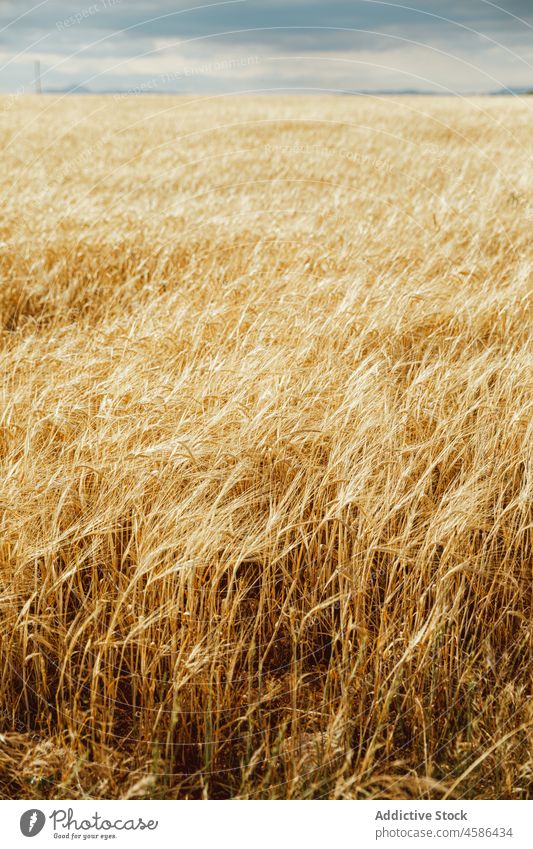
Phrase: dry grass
pixel 265 441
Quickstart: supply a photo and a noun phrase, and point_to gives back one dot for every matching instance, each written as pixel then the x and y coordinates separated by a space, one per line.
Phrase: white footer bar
pixel 273 825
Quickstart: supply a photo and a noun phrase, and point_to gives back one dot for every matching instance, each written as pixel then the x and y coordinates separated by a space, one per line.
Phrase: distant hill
pixel 511 91
pixel 73 89
pixel 134 92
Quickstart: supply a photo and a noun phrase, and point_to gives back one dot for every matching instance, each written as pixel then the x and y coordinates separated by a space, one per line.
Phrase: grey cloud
pixel 116 29
pixel 189 18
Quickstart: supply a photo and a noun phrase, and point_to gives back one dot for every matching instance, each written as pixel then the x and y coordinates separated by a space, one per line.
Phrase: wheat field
pixel 266 454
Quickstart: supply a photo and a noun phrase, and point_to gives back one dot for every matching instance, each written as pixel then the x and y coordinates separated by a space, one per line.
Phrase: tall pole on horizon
pixel 38 88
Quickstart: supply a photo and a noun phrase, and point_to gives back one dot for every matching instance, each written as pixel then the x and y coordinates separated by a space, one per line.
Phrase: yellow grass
pixel 265 440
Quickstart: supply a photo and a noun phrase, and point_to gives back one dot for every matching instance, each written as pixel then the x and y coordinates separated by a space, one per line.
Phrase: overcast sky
pixel 246 45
